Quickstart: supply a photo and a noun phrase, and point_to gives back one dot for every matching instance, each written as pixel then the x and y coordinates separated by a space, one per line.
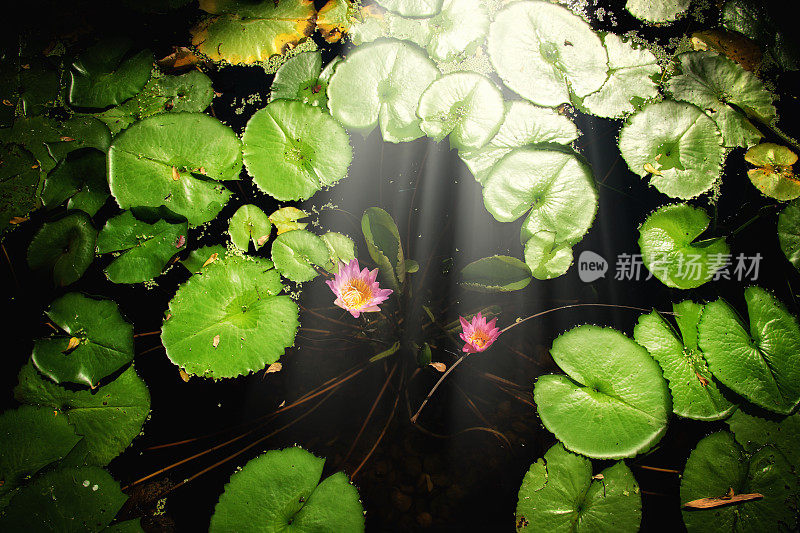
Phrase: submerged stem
pixel 441 379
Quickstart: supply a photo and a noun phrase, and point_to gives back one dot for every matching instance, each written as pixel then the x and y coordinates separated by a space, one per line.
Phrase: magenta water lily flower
pixel 478 334
pixel 357 291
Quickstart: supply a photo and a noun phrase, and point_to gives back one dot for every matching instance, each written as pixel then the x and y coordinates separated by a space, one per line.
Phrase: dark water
pixel 461 467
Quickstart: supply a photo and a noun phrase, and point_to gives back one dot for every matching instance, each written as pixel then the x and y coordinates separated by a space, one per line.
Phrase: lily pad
pixel 231 319
pixel 31 438
pixel 293 150
pixel 80 180
pixel 284 489
pixel 559 50
pixel 730 94
pixel 524 124
pixel 718 465
pixel 613 402
pixel 657 11
pixel 774 176
pixel 108 418
pixel 675 143
pixel 695 392
pixel 249 223
pixel 108 73
pixel 497 273
pixel 750 18
pixel 143 249
pixel 381 83
pixel 413 8
pixel 457 30
pixel 175 160
pixel 64 247
pixel 68 500
pixel 242 32
pixel 384 246
pixel 761 364
pixel 204 256
pixel 19 181
pixel 547 258
pixel 789 232
pixel 335 18
pixel 287 219
pixel 97 341
pixel 341 248
pixel 302 78
pixel 630 80
pixel 671 252
pixel 560 494
pixel 296 253
pixel 555 188
pixel 753 431
pixel 466 106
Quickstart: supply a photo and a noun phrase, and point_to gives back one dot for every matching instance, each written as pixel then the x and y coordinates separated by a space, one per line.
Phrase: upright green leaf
pixel 497 273
pixel 384 246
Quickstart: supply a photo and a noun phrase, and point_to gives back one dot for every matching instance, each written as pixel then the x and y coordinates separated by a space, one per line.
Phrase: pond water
pixel 459 467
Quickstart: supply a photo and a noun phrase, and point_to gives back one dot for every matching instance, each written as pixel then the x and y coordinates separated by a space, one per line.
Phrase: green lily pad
pixel 302 78
pixel 789 232
pixel 249 223
pixel 613 402
pixel 560 494
pixel 466 106
pixel 286 219
pixel 335 18
pixel 695 392
pixel 175 160
pixel 675 143
pixel 753 431
pixel 630 80
pixel 412 8
pixel 293 150
pixel 64 247
pixel 717 465
pixel 657 11
pixel 31 438
pixel 108 73
pixel 774 176
pixel 141 250
pixel 556 187
pixel 671 252
pixel 295 253
pixel 230 320
pixel 103 341
pixel 761 364
pixel 281 490
pixel 243 32
pixel 524 124
pixel 560 51
pixel 79 500
pixel 457 30
pixel 204 256
pixel 341 248
pixel 80 180
pixel 108 418
pixel 546 257
pixel 384 245
pixel 497 273
pixel 19 181
pixel 715 83
pixel 381 83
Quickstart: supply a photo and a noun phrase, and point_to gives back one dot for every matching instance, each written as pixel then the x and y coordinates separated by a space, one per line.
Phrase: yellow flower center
pixel 356 293
pixel 479 339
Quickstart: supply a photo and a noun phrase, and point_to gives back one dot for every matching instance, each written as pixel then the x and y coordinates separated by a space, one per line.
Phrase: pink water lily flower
pixel 478 334
pixel 357 291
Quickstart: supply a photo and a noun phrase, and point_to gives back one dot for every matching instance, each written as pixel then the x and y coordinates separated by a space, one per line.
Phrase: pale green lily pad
pixel 204 256
pixel 108 73
pixel 341 248
pixel 675 143
pixel 759 364
pixel 287 219
pixel 630 80
pixel 249 223
pixel 547 43
pixel 789 232
pixel 231 319
pixel 143 249
pixel 384 245
pixel 560 494
pixel 715 83
pixel 671 252
pixel 496 273
pixel 19 181
pixel 774 176
pixel 717 465
pixel 80 180
pixel 296 254
pixel 175 160
pixel 108 418
pixel 754 431
pixel 657 11
pixel 283 490
pixel 695 392
pixel 31 438
pixel 302 78
pixel 556 187
pixel 524 124
pixel 69 500
pixel 293 150
pixel 457 30
pixel 547 258
pixel 64 247
pixel 613 402
pixel 413 8
pixel 104 341
pixel 381 83
pixel 466 106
